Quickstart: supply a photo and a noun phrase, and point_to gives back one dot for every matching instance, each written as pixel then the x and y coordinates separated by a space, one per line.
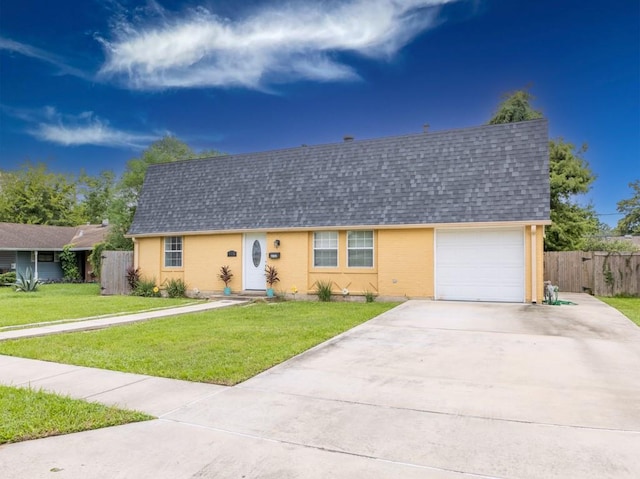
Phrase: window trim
pixel 336 249
pixel 167 243
pixel 361 248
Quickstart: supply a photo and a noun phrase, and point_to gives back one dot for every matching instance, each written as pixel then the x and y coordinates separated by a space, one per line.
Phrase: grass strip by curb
pixel 26 413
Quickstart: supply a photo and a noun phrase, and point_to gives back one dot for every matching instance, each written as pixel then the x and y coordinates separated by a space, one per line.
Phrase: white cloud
pixel 276 43
pixel 85 128
pixel 42 55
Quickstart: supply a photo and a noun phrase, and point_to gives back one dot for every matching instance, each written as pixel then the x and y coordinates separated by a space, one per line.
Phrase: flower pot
pixel 227 291
pixel 270 293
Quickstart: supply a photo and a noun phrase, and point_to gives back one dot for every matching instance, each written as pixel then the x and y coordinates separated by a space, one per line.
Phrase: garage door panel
pixel 480 265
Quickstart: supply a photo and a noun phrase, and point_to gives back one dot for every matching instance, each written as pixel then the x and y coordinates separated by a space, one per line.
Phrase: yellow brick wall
pixel 203 257
pixel 406 263
pixel 403 263
pixel 292 264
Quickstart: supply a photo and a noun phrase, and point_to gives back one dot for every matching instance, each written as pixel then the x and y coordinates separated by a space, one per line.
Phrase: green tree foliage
pixel 97 195
pixel 570 176
pixel 630 208
pixel 515 107
pixel 34 195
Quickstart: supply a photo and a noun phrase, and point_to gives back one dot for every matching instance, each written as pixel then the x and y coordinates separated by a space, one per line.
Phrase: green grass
pixel 70 301
pixel 222 346
pixel 630 307
pixel 29 414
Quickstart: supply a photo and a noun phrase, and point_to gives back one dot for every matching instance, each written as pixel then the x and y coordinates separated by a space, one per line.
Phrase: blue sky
pixel 91 83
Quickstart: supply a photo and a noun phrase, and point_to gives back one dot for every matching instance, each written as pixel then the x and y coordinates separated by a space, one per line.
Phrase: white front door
pixel 255 257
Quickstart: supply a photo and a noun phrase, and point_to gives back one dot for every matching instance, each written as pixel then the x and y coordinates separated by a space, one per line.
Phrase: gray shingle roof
pixel 481 174
pixel 14 236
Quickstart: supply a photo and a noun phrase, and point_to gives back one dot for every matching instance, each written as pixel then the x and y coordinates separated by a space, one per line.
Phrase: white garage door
pixel 480 264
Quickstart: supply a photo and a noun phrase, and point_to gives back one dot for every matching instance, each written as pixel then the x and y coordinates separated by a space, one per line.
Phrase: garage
pixel 480 264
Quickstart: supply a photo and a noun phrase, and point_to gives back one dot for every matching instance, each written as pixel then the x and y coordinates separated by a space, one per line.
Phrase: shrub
pixel 323 290
pixel 175 288
pixel 8 279
pixel 133 277
pixel 271 273
pixel 146 288
pixel 27 282
pixel 369 297
pixel 225 275
pixel 95 258
pixel 69 264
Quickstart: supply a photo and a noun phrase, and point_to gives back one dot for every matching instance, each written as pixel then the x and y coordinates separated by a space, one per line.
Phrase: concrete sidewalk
pixel 100 323
pixel 153 395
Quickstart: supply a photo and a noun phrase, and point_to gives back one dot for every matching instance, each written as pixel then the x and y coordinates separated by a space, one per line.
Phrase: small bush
pixel 225 275
pixel 175 288
pixel 27 282
pixel 369 297
pixel 8 279
pixel 146 288
pixel 133 277
pixel 323 290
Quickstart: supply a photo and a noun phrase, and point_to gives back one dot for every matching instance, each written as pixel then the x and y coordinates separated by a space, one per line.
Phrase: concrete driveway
pixel 427 390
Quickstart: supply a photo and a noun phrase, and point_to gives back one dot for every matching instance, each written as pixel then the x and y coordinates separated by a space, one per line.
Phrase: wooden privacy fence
pixel 113 276
pixel 594 272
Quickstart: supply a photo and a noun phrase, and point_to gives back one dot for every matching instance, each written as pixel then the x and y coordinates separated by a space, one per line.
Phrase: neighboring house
pixel 38 247
pixel 456 214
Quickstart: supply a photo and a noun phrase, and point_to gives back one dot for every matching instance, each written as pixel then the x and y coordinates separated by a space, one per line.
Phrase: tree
pixel 569 177
pixel 97 195
pixel 33 195
pixel 515 107
pixel 630 208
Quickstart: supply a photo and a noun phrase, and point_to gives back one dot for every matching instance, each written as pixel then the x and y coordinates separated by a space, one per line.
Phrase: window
pixel 360 249
pixel 173 251
pixel 43 256
pixel 325 249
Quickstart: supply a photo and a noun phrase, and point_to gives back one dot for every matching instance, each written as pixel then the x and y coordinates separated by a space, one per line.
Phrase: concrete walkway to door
pixel 427 390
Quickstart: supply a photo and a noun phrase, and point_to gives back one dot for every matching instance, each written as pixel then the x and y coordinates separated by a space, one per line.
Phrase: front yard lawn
pixel 70 301
pixel 224 346
pixel 630 307
pixel 29 414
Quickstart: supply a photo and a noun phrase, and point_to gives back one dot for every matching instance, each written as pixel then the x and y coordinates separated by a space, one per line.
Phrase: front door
pixel 255 252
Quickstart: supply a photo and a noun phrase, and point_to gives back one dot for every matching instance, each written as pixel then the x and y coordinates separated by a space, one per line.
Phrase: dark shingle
pixel 487 173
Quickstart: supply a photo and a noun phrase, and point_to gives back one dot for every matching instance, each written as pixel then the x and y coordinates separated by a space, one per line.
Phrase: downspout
pixel 36 263
pixel 534 265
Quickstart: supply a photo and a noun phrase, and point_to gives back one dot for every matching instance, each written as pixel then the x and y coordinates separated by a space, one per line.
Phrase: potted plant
pixel 225 276
pixel 271 273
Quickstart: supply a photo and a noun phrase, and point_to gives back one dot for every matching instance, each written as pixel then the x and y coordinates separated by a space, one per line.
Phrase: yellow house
pixel 455 215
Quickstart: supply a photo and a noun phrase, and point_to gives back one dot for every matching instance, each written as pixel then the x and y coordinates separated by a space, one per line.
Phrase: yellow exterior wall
pixel 292 264
pixel 406 263
pixel 203 256
pixel 148 254
pixel 403 263
pixel 538 257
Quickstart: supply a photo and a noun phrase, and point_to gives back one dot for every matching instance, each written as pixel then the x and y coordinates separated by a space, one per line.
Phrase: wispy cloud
pixel 85 128
pixel 30 51
pixel 290 41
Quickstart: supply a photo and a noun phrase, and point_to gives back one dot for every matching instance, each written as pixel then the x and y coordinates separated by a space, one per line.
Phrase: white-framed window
pixel 173 251
pixel 360 249
pixel 325 249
